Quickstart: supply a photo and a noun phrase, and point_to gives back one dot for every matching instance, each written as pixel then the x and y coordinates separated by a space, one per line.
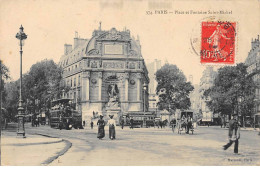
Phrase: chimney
pixel 67 48
pixel 76 43
pixel 100 25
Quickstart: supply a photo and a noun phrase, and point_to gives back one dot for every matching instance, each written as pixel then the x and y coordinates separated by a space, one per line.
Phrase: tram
pixel 64 116
pixel 141 119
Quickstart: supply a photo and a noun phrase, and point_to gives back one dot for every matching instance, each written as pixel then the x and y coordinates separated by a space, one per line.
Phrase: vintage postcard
pixel 130 82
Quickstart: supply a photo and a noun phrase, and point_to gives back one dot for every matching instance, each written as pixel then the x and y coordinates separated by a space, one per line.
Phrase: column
pixel 138 83
pixel 99 85
pixel 85 86
pixel 126 86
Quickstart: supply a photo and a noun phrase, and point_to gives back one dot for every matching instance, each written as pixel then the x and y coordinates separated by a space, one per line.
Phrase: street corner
pixel 35 150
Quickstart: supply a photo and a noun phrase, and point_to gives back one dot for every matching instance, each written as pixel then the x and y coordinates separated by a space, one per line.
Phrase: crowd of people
pixel 187 122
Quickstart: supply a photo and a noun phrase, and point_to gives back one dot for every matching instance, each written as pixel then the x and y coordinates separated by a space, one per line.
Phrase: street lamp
pixel 145 88
pixel 20 130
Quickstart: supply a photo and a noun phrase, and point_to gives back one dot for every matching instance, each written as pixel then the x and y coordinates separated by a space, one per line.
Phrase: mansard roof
pixel 88 48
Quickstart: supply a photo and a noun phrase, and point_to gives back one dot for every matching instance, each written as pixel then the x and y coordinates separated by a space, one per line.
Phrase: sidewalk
pixel 34 150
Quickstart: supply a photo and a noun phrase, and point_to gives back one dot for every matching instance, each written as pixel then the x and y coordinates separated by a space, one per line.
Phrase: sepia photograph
pixel 130 83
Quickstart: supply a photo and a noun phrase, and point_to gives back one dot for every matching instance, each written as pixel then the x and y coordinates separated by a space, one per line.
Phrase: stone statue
pixel 113 95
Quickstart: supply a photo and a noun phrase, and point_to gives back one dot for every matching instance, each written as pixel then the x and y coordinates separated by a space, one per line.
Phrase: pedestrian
pixel 224 122
pixel 221 122
pixel 189 124
pixel 33 122
pixel 91 124
pixel 37 122
pixel 84 123
pixel 101 126
pixel 112 125
pixel 233 133
pixel 122 123
pixel 173 124
pixel 131 123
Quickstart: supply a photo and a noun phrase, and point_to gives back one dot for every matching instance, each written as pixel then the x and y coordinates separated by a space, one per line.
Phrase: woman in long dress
pixel 112 125
pixel 101 130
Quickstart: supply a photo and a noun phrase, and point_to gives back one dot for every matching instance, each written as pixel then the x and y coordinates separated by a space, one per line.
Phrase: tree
pixel 4 75
pixel 4 71
pixel 172 88
pixel 11 99
pixel 40 85
pixel 230 84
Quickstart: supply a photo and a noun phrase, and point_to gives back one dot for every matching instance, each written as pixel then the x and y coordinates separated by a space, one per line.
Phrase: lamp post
pixel 145 88
pixel 20 129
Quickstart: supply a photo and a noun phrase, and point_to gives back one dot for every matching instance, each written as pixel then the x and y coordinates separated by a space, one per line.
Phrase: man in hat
pixel 233 133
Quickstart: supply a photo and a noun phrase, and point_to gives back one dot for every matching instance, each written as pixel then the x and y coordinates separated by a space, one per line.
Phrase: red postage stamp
pixel 218 42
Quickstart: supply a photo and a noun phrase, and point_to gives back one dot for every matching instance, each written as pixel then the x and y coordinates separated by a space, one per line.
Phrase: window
pixel 71 82
pixel 74 81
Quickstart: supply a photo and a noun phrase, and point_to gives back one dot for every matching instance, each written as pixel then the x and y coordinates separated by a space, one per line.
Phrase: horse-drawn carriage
pixel 185 121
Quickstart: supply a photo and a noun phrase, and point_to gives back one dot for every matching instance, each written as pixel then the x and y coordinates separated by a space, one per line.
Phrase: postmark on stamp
pixel 218 42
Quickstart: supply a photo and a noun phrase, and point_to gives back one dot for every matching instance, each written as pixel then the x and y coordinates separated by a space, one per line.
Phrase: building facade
pixel 207 81
pixel 253 69
pixel 153 97
pixel 106 74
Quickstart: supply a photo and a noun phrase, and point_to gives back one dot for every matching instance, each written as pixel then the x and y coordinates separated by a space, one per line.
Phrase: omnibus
pixel 64 116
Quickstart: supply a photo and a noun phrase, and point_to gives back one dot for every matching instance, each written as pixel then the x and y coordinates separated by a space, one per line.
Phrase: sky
pixel 50 24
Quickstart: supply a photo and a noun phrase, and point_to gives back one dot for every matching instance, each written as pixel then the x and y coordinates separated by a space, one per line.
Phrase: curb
pixel 28 144
pixel 59 153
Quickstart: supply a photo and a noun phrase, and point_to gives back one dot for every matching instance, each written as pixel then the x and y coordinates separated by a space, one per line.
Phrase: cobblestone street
pixel 153 146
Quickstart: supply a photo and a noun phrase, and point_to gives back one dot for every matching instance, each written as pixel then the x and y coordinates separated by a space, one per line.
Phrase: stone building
pixel 206 81
pixel 153 97
pixel 106 74
pixel 253 69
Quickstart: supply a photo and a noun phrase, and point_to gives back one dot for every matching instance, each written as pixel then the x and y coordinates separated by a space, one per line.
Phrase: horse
pixel 181 125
